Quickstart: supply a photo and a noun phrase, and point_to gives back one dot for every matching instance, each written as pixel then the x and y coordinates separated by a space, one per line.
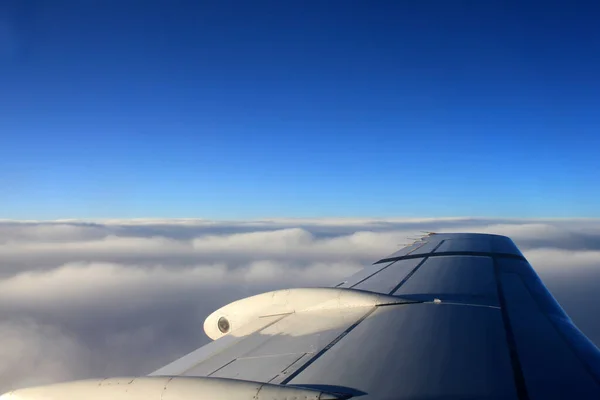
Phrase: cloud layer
pixel 90 299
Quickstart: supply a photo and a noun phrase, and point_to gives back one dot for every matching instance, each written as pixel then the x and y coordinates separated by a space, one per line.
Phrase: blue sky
pixel 236 109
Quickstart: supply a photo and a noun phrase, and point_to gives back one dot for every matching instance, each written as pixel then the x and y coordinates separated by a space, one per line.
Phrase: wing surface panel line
pixel 453 253
pixel 411 273
pixel 287 368
pixel 416 248
pixel 373 274
pixel 221 367
pixel 408 276
pixel 330 345
pixel 449 303
pixel 232 344
pixel 560 333
pixel 510 338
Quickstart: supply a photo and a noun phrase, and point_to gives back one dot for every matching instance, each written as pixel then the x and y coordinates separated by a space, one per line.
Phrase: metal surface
pixel 550 367
pixel 459 244
pixel 420 351
pixel 432 241
pixel 463 279
pixel 210 350
pixel 430 244
pixel 387 279
pixel 585 351
pixel 363 275
pixel 257 368
pixel 279 344
pixel 478 244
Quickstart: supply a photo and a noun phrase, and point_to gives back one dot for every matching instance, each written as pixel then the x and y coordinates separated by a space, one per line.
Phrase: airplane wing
pixel 452 316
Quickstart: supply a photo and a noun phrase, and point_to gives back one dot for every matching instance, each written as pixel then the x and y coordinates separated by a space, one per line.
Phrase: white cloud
pixel 119 297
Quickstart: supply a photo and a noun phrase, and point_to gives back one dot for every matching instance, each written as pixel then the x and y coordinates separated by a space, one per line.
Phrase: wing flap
pixel 212 350
pixel 266 354
pixel 420 351
pixel 467 279
pixel 262 368
pixel 386 279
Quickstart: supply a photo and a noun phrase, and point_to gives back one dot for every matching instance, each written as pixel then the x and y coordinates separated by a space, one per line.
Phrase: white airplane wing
pixel 453 316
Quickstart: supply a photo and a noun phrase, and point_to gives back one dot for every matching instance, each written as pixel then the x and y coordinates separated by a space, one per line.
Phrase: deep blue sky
pixel 236 109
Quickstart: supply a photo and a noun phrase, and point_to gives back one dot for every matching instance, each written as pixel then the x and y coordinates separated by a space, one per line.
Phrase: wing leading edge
pixel 450 316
